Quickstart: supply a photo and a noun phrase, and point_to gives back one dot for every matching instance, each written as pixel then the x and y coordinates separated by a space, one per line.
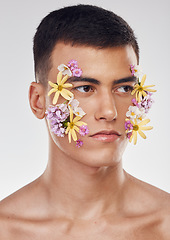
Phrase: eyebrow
pixel 97 82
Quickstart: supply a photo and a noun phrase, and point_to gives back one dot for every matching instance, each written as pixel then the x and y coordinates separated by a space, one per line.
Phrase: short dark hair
pixel 84 25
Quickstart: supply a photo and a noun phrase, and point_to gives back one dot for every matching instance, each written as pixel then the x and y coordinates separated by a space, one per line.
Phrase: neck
pixel 74 184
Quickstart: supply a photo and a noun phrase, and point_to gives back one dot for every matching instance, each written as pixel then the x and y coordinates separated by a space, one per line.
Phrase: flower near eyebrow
pixel 72 126
pixel 72 64
pixel 77 72
pixel 141 90
pixel 60 88
pixel 136 70
pixel 65 70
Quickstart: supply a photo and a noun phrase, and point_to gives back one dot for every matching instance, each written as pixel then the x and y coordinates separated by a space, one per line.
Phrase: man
pixel 84 191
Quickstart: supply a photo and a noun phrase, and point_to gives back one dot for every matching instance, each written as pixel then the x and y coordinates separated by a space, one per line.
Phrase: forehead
pixel 110 62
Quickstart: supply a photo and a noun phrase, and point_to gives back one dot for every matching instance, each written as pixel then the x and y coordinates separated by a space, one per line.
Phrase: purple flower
pixel 72 64
pixel 146 102
pixel 77 72
pixel 57 115
pixel 132 68
pixel 128 125
pixel 129 134
pixel 79 143
pixel 83 130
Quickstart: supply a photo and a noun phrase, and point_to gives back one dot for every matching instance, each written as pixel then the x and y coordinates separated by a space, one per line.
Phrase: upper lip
pixel 106 132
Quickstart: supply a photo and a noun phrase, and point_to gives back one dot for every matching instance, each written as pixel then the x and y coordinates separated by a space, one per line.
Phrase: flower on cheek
pixel 60 88
pixel 83 130
pixel 141 90
pixel 137 128
pixel 74 105
pixel 79 143
pixel 72 126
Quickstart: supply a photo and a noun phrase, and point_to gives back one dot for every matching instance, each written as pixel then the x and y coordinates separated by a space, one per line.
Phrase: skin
pixel 85 192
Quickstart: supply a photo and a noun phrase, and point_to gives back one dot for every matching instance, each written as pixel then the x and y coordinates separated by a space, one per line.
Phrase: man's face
pixel 104 94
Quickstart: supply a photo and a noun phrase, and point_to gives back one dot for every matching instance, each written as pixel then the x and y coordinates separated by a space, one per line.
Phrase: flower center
pixel 71 125
pixel 140 89
pixel 135 127
pixel 60 87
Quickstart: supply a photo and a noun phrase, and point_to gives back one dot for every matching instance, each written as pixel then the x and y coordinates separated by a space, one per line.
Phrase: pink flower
pixel 77 72
pixel 128 125
pixel 83 130
pixel 72 64
pixel 79 143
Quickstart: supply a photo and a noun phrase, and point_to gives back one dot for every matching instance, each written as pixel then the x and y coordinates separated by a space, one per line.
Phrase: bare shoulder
pixel 19 208
pixel 153 203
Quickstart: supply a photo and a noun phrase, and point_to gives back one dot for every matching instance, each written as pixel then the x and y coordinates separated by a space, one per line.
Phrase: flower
pixel 136 70
pixel 77 72
pixel 137 128
pixel 134 112
pixel 65 70
pixel 79 143
pixel 72 64
pixel 74 104
pixel 141 90
pixel 146 102
pixel 57 115
pixel 59 88
pixel 72 126
pixel 83 130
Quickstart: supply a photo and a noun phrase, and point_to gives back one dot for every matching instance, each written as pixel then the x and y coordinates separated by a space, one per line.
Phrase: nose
pixel 106 107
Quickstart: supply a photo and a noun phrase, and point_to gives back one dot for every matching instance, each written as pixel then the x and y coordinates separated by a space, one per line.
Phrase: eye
pixel 124 89
pixel 85 88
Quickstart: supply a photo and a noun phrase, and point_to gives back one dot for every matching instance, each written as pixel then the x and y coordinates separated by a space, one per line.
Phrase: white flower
pixel 137 71
pixel 79 112
pixel 133 112
pixel 74 105
pixel 65 70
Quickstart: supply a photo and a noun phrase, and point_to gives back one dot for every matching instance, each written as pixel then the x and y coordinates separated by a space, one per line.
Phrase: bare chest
pixel 132 230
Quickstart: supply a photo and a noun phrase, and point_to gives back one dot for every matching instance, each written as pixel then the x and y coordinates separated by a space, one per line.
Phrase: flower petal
pixel 73 133
pixel 52 84
pixel 71 115
pixel 69 137
pixel 67 130
pixel 64 79
pixel 143 80
pixel 76 119
pixel 146 128
pixel 66 94
pixel 59 78
pixel 51 91
pixel 144 122
pixel 80 123
pixel 142 134
pixel 67 85
pixel 135 138
pixel 76 128
pixel 55 99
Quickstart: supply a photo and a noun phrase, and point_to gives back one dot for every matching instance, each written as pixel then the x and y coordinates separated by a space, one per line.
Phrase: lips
pixel 106 136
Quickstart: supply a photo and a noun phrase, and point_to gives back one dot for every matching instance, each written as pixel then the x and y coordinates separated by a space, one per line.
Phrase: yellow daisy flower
pixel 72 126
pixel 141 90
pixel 137 128
pixel 60 88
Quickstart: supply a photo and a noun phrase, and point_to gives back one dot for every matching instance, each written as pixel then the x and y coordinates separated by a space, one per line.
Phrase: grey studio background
pixel 24 139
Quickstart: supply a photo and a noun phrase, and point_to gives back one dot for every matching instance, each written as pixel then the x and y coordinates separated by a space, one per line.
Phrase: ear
pixel 37 99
